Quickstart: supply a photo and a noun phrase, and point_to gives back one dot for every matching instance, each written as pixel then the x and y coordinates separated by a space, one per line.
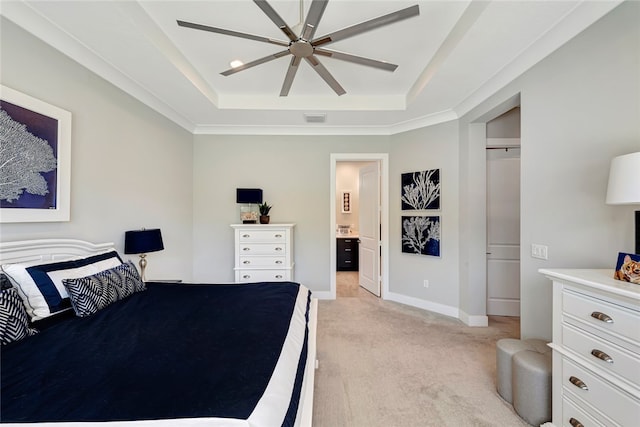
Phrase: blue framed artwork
pixel 421 235
pixel 35 158
pixel 421 190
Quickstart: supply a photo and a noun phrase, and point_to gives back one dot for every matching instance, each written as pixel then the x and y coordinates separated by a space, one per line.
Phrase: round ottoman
pixel 506 348
pixel 532 386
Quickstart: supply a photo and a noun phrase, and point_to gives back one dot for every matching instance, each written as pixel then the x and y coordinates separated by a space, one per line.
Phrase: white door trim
pixel 383 158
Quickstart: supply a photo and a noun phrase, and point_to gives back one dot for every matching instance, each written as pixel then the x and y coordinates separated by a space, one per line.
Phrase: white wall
pixel 435 147
pixel 506 125
pixel 580 107
pixel 293 172
pixel 348 179
pixel 130 167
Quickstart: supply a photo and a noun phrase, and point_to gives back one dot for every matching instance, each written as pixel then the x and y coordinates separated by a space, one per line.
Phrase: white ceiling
pixel 450 58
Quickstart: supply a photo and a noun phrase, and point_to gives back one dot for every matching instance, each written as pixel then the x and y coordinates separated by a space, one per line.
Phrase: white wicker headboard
pixel 48 250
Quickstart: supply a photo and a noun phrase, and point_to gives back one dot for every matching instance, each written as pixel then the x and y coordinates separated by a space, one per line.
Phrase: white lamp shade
pixel 624 180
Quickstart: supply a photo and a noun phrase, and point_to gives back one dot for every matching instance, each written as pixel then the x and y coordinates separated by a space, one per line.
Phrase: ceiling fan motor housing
pixel 301 48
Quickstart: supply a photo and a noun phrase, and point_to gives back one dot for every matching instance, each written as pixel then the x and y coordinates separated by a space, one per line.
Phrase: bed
pixel 157 354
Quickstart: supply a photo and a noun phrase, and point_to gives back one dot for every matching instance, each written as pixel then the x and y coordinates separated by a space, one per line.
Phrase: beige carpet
pixel 386 364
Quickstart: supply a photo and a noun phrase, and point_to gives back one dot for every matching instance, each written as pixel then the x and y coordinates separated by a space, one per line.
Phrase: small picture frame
pixel 628 268
pixel 346 202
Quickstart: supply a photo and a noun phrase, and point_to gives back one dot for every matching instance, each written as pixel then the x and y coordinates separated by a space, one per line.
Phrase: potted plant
pixel 264 208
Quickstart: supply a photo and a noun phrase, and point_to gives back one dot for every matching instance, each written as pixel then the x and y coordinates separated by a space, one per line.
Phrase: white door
pixel 369 228
pixel 503 232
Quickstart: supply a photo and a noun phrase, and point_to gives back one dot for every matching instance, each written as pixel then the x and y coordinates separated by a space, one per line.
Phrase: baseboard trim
pixel 479 321
pixel 322 295
pixel 447 310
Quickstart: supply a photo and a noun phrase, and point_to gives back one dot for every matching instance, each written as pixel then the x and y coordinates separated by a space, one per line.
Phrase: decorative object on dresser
pixel 596 349
pixel 624 186
pixel 263 252
pixel 264 208
pixel 142 242
pixel 628 268
pixel 248 197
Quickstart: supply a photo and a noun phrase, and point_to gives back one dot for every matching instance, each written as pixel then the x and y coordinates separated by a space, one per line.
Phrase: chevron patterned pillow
pixel 93 293
pixel 14 320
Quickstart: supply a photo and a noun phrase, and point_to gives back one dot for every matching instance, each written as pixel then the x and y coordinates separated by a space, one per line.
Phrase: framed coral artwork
pixel 628 268
pixel 421 190
pixel 421 235
pixel 36 159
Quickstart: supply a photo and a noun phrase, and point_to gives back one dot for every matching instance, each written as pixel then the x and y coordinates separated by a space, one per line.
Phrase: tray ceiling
pixel 450 58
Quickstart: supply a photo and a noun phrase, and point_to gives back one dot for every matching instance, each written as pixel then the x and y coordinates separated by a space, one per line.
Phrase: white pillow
pixel 40 286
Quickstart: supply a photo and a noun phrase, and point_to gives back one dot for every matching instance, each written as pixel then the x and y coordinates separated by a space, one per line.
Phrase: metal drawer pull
pixel 246 235
pixel 246 276
pixel 279 276
pixel 601 355
pixel 575 423
pixel 246 262
pixel 278 262
pixel 278 235
pixel 602 317
pixel 278 249
pixel 246 249
pixel 578 383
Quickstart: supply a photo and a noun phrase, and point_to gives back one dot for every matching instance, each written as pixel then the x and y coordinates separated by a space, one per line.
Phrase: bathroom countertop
pixel 347 236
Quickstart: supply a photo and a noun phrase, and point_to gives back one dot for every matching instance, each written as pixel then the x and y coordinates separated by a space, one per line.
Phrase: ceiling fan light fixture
pixel 315 117
pixel 302 44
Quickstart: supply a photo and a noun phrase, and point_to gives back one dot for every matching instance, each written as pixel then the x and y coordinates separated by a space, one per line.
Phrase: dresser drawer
pixel 262 261
pixel 615 319
pixel 262 249
pixel 574 416
pixel 596 351
pixel 612 402
pixel 264 275
pixel 273 236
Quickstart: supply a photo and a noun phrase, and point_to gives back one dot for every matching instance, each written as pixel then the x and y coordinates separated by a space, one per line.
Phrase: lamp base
pixel 143 265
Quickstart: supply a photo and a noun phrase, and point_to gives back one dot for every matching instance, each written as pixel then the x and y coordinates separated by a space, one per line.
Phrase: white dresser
pixel 596 349
pixel 263 252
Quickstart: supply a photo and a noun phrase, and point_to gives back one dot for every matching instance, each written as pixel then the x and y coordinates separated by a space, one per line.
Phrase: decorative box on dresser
pixel 263 252
pixel 596 349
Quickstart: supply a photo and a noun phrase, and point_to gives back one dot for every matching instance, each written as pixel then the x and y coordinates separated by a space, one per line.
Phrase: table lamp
pixel 142 242
pixel 624 186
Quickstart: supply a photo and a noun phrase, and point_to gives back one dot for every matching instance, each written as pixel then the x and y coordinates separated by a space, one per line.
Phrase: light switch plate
pixel 539 251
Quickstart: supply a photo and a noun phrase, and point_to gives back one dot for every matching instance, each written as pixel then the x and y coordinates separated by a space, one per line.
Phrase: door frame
pixel 473 306
pixel 383 160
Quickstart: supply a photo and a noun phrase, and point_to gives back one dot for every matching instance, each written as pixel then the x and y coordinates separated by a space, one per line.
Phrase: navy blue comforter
pixel 173 351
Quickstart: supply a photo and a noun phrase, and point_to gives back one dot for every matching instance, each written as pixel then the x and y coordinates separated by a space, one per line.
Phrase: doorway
pixel 347 225
pixel 503 214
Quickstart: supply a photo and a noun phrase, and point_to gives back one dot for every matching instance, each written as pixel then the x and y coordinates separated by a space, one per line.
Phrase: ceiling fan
pixel 305 46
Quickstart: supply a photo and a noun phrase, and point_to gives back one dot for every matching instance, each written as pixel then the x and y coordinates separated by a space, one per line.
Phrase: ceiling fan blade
pixel 273 15
pixel 387 66
pixel 316 10
pixel 254 63
pixel 325 74
pixel 232 33
pixel 291 73
pixel 367 25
